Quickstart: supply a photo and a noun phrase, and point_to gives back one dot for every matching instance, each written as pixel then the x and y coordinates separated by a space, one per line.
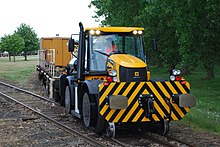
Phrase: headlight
pixel 97 32
pixel 112 73
pixel 140 32
pixel 175 72
pixel 172 78
pixel 92 32
pixel 115 79
pixel 135 32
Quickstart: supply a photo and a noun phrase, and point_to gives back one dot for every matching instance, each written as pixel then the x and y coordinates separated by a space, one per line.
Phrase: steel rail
pixel 168 141
pixel 179 141
pixel 63 127
pixel 31 93
pixel 120 143
pixel 161 142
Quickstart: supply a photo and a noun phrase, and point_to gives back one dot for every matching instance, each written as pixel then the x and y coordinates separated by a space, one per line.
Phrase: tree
pixel 12 44
pixel 5 45
pixel 30 38
pixel 1 50
pixel 156 18
pixel 197 25
pixel 117 12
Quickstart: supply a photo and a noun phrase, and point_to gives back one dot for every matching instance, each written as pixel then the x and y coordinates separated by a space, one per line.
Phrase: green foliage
pixel 197 24
pixel 12 44
pixel 157 19
pixel 117 12
pixel 30 38
pixel 1 49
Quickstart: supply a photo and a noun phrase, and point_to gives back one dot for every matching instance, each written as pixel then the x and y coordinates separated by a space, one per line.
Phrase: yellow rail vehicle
pixel 108 85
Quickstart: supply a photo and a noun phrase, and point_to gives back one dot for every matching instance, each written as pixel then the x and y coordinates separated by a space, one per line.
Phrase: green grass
pixel 206 114
pixel 17 71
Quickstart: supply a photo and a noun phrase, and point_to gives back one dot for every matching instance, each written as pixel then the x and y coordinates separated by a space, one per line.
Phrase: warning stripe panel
pixel 163 106
pixel 174 107
pixel 164 93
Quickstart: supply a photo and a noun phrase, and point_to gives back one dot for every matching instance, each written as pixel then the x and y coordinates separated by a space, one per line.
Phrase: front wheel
pixel 86 111
pixel 90 115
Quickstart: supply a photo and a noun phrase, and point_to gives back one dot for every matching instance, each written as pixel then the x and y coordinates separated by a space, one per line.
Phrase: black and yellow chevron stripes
pixel 134 112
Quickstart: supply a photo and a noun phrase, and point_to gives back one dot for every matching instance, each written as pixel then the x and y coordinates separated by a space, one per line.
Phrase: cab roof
pixel 115 29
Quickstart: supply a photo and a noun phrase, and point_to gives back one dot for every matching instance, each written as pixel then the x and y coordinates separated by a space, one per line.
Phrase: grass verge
pixel 17 71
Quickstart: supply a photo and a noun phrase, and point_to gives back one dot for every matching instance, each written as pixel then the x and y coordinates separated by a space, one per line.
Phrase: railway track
pixel 143 138
pixel 168 141
pixel 53 112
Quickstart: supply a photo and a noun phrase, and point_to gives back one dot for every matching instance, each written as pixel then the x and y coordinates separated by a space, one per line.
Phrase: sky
pixel 46 17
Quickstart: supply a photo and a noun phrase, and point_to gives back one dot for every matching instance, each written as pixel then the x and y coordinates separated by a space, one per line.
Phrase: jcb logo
pixel 136 74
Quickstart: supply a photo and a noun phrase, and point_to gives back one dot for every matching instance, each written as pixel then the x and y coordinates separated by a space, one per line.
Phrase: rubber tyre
pixel 100 124
pixel 90 115
pixel 68 100
pixel 86 110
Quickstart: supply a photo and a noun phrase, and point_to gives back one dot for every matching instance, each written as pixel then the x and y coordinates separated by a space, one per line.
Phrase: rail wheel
pixel 56 96
pixel 40 76
pixel 48 88
pixel 67 100
pixel 110 131
pixel 163 128
pixel 44 83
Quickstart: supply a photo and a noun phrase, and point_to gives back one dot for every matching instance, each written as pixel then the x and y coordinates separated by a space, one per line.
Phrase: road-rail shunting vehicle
pixel 108 84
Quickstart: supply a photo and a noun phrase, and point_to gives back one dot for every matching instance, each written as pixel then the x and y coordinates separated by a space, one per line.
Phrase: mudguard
pixel 93 86
pixel 70 80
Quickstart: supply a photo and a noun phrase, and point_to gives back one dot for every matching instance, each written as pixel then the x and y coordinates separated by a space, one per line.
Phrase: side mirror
pixel 71 44
pixel 154 44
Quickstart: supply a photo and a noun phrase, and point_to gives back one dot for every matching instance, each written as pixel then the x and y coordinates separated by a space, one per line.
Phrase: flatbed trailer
pixel 53 58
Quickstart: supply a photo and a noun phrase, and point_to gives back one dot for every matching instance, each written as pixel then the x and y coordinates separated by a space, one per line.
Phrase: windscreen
pixel 107 44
